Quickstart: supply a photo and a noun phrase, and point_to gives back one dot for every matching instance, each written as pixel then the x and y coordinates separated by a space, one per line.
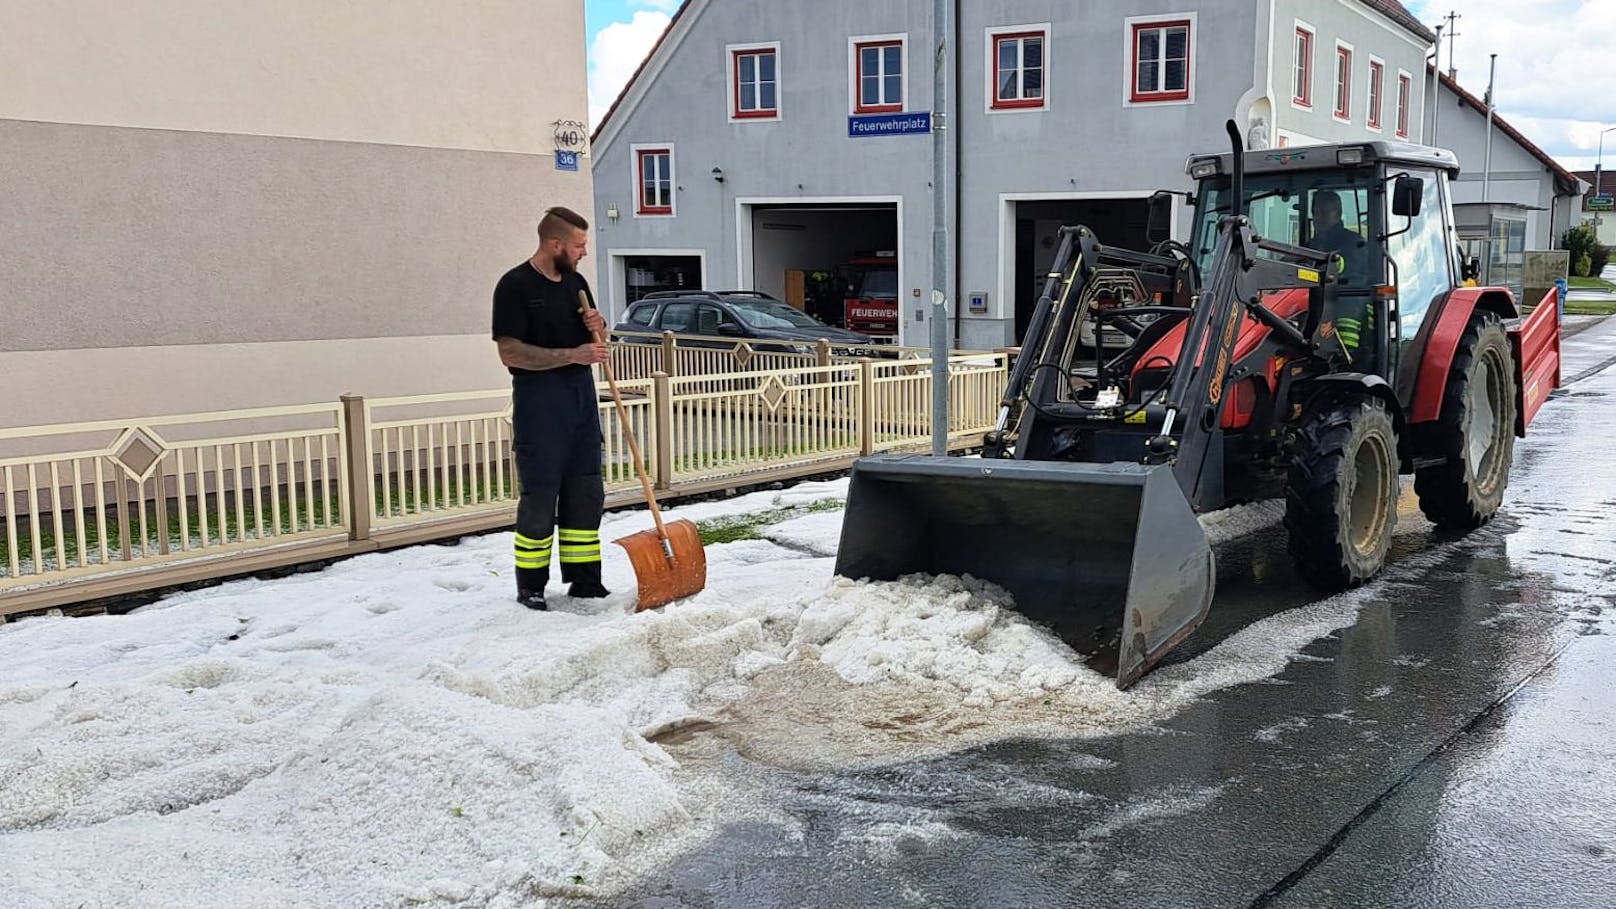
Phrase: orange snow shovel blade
pixel 669 561
pixel 666 573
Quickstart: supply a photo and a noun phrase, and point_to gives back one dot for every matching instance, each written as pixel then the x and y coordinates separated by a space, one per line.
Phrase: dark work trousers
pixel 557 442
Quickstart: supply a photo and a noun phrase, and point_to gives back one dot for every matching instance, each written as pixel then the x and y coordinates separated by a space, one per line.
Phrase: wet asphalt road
pixel 1455 747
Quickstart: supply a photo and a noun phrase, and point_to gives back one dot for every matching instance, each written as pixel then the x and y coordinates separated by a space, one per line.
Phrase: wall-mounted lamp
pixel 718 174
pixel 611 213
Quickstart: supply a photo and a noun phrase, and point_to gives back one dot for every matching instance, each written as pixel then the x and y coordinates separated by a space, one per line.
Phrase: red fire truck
pixel 871 304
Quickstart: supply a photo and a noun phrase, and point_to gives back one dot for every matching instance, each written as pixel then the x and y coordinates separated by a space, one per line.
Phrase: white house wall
pixel 1517 174
pixel 1369 34
pixel 1090 143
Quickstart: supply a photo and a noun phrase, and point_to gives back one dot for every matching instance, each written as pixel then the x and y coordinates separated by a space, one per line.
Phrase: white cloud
pixel 616 51
pixel 1552 81
pixel 666 6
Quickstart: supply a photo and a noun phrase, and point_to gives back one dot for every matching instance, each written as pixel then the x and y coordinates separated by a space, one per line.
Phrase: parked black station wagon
pixel 740 314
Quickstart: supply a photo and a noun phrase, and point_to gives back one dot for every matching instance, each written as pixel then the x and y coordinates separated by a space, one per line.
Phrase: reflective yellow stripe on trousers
pixel 531 553
pixel 579 546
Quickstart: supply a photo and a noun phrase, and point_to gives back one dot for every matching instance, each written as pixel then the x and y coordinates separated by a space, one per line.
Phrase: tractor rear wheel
pixel 1475 431
pixel 1341 493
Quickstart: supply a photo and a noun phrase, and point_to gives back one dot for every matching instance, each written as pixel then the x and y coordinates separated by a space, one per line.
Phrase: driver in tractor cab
pixel 1330 235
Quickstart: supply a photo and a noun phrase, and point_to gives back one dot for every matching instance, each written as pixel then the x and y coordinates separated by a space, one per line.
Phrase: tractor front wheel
pixel 1341 493
pixel 1475 432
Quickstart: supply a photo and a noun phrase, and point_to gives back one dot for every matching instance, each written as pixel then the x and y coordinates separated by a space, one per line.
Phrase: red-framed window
pixel 1404 92
pixel 1160 61
pixel 1019 66
pixel 755 77
pixel 1343 82
pixel 1302 78
pixel 878 77
pixel 653 179
pixel 1377 91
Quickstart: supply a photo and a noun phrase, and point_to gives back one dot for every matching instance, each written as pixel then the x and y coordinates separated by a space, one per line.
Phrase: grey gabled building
pixel 764 145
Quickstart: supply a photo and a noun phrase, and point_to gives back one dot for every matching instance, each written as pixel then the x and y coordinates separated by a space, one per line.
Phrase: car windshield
pixel 879 284
pixel 1326 210
pixel 769 314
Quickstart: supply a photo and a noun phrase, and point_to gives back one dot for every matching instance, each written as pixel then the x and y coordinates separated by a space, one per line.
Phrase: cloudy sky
pixel 621 33
pixel 1553 80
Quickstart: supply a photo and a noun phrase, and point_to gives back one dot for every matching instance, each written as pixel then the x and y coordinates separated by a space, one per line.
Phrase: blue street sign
pixel 566 160
pixel 889 124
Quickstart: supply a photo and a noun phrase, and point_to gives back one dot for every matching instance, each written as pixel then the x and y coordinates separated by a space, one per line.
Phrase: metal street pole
pixel 1453 32
pixel 1436 84
pixel 942 51
pixel 1487 167
pixel 1599 165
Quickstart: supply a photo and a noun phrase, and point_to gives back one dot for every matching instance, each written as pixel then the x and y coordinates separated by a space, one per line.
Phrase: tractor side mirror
pixel 1407 194
pixel 1159 221
pixel 1470 268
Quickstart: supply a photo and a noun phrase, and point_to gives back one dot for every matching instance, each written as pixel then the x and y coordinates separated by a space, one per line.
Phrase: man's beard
pixel 564 264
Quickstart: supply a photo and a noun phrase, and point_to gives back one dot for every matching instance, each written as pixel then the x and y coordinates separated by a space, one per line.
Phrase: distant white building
pixel 1533 192
pixel 1596 214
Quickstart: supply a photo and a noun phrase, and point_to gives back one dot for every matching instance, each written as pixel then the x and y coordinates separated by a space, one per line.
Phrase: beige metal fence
pixel 91 498
pixel 104 509
pixel 441 456
pixel 901 409
pixel 779 419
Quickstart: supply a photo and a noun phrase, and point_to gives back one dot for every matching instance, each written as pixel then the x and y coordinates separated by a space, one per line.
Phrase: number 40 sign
pixel 571 139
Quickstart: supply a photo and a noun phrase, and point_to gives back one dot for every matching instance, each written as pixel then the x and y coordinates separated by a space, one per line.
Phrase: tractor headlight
pixel 1200 170
pixel 1349 157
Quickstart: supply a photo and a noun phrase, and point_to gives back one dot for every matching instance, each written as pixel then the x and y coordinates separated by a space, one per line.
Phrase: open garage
pixel 1037 222
pixel 838 261
pixel 633 273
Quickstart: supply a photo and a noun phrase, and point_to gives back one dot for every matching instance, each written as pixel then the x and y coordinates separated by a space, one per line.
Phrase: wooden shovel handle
pixel 628 431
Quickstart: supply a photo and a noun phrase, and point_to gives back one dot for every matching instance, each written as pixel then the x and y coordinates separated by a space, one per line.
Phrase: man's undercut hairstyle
pixel 559 222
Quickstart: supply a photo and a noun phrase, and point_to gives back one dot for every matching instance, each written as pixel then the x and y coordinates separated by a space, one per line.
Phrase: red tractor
pixel 1313 341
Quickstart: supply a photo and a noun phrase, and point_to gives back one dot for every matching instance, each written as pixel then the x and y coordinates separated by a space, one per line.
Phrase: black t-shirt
pixel 536 310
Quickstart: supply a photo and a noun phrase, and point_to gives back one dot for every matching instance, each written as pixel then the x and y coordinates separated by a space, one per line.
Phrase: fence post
pixel 360 479
pixel 866 407
pixel 670 363
pixel 822 352
pixel 662 408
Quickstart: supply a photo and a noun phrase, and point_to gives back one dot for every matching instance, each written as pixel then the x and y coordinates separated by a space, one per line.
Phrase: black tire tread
pixel 1444 490
pixel 1313 518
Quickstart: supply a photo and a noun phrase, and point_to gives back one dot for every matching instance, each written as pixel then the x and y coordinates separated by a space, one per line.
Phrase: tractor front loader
pixel 1275 355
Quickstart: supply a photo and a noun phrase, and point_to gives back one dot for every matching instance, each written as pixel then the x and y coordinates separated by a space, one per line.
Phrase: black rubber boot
pixel 588 590
pixel 532 599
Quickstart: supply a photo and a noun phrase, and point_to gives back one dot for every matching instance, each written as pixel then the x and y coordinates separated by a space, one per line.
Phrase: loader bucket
pixel 1109 556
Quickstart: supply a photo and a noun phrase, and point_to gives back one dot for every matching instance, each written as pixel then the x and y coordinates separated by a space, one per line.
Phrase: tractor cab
pixel 1381 207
